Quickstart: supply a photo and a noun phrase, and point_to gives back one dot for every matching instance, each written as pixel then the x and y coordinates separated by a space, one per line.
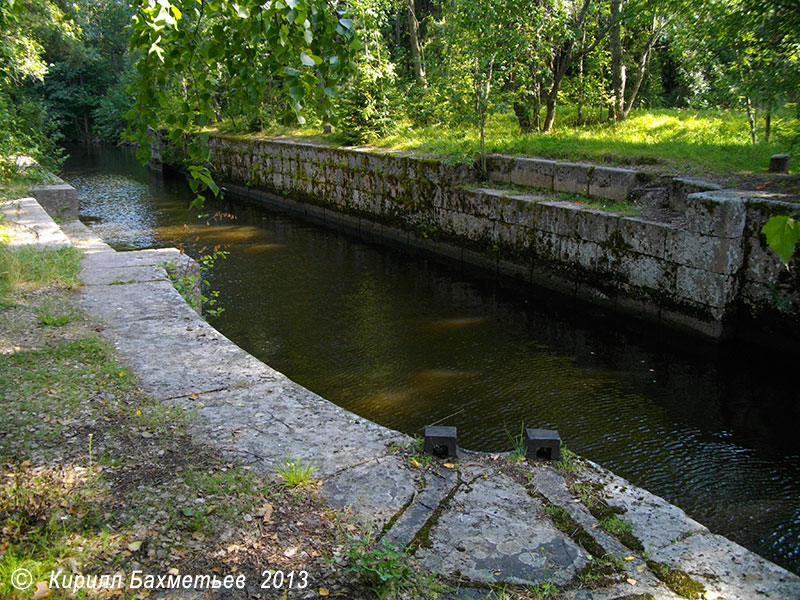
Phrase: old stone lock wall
pixel 708 272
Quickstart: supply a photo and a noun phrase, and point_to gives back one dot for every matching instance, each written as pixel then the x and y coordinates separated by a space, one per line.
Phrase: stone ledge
pixel 31 226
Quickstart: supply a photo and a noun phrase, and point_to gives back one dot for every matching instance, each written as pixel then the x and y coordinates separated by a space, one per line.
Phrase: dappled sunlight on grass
pixel 706 141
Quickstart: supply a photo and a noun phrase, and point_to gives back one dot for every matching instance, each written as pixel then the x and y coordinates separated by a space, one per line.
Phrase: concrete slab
pixel 84 239
pixel 123 275
pixel 146 300
pixel 280 419
pixel 29 225
pixel 727 570
pixel 138 258
pixel 59 200
pixel 182 355
pixel 374 491
pixel 656 522
pixel 499 534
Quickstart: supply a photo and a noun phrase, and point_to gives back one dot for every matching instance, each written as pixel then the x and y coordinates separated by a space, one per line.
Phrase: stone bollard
pixel 779 163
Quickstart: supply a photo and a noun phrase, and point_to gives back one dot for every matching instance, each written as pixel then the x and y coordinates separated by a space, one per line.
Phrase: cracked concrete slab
pixel 183 355
pixel 281 419
pixel 437 486
pixel 500 534
pixel 727 569
pixel 375 490
pixel 656 522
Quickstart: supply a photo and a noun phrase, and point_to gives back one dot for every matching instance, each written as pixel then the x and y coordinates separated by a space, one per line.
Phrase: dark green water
pixel 405 342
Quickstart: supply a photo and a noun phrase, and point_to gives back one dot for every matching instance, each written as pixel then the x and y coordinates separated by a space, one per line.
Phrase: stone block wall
pixel 706 276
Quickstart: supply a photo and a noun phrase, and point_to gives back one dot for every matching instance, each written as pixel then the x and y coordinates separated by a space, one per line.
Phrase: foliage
pixel 367 104
pixel 388 571
pixel 188 283
pixel 783 234
pixel 299 50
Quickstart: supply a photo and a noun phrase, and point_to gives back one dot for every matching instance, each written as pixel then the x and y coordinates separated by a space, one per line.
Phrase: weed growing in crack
pixel 517 440
pixel 294 473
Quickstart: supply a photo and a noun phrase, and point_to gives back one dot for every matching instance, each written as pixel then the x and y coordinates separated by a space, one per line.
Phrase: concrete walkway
pixel 476 521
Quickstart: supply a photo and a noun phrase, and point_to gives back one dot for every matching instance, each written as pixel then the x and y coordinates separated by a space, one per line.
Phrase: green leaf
pixel 307 60
pixel 782 234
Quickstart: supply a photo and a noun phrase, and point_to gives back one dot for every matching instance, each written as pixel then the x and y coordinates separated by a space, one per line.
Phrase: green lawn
pixel 712 142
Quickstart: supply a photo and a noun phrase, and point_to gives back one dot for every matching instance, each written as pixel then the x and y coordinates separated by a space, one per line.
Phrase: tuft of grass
pixel 569 463
pixel 623 531
pixel 47 319
pixel 26 269
pixel 517 440
pixel 294 473
pixel 544 591
pixel 602 571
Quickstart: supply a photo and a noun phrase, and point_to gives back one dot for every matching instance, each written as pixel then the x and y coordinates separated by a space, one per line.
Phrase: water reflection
pixel 406 342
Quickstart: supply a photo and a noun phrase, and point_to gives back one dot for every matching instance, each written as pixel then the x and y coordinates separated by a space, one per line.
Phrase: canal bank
pixel 479 519
pixel 693 259
pixel 404 341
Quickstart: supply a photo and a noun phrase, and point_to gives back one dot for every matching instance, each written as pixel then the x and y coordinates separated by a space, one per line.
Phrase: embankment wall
pixel 707 271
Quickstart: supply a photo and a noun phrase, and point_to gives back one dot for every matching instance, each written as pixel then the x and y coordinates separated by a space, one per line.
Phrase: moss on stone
pixel 616 244
pixel 566 524
pixel 678 581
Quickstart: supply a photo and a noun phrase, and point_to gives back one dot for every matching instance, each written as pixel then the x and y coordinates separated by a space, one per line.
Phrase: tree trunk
pixel 560 66
pixel 581 87
pixel 617 61
pixel 768 123
pixel 552 101
pixel 641 66
pixel 751 118
pixel 416 49
pixel 523 113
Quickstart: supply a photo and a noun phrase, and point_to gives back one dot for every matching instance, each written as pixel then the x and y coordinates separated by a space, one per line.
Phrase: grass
pixel 699 141
pixel 294 473
pixel 25 269
pixel 517 441
pixel 716 141
pixel 389 572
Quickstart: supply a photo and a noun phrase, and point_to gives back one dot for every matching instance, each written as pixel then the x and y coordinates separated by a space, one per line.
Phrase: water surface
pixel 406 342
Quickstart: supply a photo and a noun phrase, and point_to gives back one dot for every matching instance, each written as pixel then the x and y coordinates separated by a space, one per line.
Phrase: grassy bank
pixel 97 478
pixel 705 142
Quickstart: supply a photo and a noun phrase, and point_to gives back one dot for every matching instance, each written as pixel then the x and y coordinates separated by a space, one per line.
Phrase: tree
pixel 25 125
pixel 649 20
pixel 184 46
